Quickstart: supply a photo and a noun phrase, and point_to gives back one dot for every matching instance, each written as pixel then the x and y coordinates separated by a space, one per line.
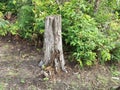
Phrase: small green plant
pixel 46 79
pixel 114 70
pixel 2 86
pixel 4 25
pixel 22 81
pixel 116 54
pixel 1 15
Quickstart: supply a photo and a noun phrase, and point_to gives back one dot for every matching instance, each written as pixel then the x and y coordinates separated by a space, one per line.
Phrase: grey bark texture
pixel 52 48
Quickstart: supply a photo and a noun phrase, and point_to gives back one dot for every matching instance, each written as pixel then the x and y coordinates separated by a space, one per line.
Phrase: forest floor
pixel 19 71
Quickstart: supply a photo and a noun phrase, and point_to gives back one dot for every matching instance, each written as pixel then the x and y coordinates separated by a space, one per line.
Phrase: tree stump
pixel 52 47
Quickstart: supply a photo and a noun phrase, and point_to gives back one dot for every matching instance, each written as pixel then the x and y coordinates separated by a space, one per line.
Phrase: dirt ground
pixel 19 71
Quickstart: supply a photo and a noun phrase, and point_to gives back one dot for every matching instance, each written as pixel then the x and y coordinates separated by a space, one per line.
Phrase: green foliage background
pixel 91 36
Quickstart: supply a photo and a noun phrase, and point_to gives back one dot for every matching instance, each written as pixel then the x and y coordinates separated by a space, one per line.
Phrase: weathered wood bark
pixel 53 52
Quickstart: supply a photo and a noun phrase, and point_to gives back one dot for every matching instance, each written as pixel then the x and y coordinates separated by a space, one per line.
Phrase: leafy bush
pixel 26 20
pixel 4 25
pixel 81 33
pixel 91 37
pixel 108 21
pixel 116 53
pixel 114 34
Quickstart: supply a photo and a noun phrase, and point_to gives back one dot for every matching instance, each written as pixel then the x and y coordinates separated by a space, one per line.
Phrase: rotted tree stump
pixel 52 47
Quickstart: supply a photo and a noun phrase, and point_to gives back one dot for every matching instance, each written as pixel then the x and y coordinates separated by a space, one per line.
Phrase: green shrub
pixel 91 37
pixel 25 21
pixel 4 25
pixel 81 33
pixel 86 35
pixel 114 33
pixel 116 53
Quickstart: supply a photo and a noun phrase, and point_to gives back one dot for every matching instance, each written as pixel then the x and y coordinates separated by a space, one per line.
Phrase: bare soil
pixel 19 71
